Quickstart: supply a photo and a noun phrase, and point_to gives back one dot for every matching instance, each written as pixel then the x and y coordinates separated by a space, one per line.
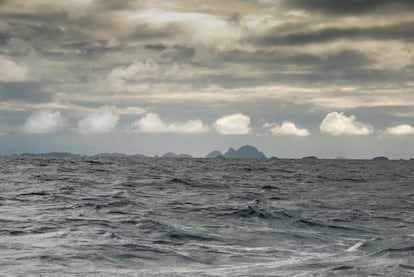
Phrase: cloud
pixel 102 121
pixel 286 129
pixel 43 122
pixel 152 123
pixel 337 124
pixel 398 130
pixel 201 27
pixel 236 124
pixel 130 110
pixel 135 71
pixel 11 71
pixel 150 71
pixel 401 31
pixel 349 6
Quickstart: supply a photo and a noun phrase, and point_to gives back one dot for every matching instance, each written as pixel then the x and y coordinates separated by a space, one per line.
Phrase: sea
pixel 86 216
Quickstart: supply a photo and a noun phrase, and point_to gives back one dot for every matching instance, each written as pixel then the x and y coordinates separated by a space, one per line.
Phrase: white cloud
pixel 42 122
pixel 337 124
pixel 205 28
pixel 102 121
pixel 403 129
pixel 130 110
pixel 11 71
pixel 236 124
pixel 135 71
pixel 286 129
pixel 151 123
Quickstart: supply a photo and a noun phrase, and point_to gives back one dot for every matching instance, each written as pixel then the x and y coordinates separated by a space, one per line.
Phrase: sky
pixel 292 77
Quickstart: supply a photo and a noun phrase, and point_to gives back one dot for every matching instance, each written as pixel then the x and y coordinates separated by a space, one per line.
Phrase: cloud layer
pixel 105 118
pixel 233 64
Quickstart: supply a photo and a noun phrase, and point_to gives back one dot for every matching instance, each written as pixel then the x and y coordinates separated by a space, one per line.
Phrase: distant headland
pixel 244 152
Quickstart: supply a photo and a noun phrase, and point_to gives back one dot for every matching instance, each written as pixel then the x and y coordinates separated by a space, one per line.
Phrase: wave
pixel 342 267
pixel 180 181
pixel 315 224
pixel 36 193
pixel 250 211
pixel 391 251
pixel 355 247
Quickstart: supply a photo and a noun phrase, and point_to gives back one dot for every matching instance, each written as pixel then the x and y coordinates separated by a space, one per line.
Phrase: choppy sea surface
pixel 205 217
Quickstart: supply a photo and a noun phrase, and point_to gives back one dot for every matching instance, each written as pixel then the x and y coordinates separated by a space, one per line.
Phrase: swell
pixel 409 250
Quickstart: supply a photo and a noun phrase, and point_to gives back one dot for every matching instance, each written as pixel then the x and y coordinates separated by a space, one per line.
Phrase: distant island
pixel 214 154
pixel 174 155
pixel 380 158
pixel 244 152
pixel 310 158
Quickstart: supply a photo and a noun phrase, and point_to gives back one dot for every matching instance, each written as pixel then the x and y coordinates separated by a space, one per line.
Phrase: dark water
pixel 190 217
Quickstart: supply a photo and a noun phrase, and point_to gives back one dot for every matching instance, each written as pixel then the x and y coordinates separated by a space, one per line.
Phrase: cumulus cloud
pixel 403 129
pixel 152 123
pixel 286 129
pixel 43 122
pixel 337 124
pixel 11 71
pixel 235 124
pixel 101 121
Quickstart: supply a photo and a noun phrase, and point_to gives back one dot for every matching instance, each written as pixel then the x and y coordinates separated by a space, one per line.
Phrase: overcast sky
pixel 291 77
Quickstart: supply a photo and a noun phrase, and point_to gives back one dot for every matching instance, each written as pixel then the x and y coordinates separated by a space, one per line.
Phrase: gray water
pixel 201 217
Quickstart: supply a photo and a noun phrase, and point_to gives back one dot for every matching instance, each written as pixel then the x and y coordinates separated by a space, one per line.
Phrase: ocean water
pixel 205 217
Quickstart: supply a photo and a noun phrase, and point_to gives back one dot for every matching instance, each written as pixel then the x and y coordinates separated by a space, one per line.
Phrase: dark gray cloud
pixel 278 67
pixel 4 38
pixel 403 31
pixel 36 32
pixel 36 17
pixel 91 50
pixel 156 46
pixel 344 58
pixel 110 5
pixel 349 6
pixel 179 53
pixel 146 32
